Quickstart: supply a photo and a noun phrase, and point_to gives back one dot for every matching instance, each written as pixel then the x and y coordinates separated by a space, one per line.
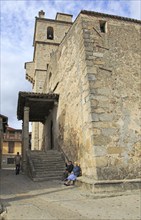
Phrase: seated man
pixel 69 168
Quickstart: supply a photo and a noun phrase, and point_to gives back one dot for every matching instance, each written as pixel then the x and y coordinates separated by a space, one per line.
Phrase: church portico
pixel 35 107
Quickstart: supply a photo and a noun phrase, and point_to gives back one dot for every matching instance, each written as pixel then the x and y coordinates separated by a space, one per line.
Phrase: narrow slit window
pixel 103 26
pixel 50 74
pixel 50 33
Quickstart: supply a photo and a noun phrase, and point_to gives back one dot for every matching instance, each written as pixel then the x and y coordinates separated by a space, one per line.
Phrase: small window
pixel 103 26
pixel 50 33
pixel 10 147
pixel 50 74
pixel 10 160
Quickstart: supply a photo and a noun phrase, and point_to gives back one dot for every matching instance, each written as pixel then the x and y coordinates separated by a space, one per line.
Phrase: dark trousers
pixel 17 169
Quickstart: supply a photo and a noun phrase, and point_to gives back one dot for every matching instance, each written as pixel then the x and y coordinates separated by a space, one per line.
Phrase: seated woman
pixel 73 176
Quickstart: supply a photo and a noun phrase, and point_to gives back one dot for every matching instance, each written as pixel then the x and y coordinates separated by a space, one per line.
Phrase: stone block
pixel 99 62
pixel 106 117
pixel 104 91
pixel 97 110
pixel 98 55
pixel 94 102
pixel 100 150
pixel 96 131
pixel 88 57
pixel 91 77
pixel 101 161
pixel 100 140
pixel 95 117
pixel 88 48
pixel 109 131
pixel 89 63
pixel 115 150
pixel 93 91
pixel 86 35
pixel 91 69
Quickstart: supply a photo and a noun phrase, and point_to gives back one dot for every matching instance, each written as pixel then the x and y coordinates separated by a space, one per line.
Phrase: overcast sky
pixel 17 28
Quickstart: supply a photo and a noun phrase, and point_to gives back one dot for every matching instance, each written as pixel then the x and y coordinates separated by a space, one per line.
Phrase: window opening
pixel 103 26
pixel 10 160
pixel 50 33
pixel 10 147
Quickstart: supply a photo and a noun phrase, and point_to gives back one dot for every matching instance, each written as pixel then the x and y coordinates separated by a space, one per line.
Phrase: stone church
pixel 86 83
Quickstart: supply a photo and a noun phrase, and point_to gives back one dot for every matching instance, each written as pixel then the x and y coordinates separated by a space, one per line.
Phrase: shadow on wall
pixel 68 139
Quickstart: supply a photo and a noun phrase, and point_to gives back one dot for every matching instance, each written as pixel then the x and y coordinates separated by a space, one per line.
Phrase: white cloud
pixel 17 28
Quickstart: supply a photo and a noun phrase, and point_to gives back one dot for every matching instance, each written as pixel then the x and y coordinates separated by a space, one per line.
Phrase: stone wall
pixel 97 76
pixel 113 70
pixel 95 69
pixel 67 77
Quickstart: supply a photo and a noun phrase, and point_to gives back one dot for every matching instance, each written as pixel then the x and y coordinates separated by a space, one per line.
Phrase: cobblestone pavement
pixel 28 200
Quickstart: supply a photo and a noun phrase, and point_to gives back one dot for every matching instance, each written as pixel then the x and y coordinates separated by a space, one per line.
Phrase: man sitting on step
pixel 68 170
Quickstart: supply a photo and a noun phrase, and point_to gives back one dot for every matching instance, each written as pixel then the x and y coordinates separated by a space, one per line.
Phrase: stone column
pixel 25 137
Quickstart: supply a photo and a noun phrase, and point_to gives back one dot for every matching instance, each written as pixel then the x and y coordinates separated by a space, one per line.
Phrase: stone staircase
pixel 47 165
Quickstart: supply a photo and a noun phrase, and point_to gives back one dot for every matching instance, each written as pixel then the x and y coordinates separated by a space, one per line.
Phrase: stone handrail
pixel 65 157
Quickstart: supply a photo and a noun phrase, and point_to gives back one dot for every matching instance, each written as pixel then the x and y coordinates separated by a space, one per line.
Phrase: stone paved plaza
pixel 28 200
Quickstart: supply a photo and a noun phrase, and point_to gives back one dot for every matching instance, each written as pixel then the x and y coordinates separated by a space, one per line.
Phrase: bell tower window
pixel 50 33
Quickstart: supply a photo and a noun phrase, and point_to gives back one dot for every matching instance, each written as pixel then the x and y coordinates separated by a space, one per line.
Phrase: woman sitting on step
pixel 74 174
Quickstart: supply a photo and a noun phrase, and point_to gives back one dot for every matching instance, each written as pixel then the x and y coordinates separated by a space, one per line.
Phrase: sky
pixel 17 19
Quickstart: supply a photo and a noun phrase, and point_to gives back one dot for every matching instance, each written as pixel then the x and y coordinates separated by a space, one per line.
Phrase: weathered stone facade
pixel 95 69
pixel 36 70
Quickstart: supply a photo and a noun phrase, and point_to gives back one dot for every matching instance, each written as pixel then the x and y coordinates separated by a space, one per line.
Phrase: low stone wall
pixel 108 185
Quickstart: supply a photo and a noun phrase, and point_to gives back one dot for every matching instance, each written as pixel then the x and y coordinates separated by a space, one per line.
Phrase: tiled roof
pixel 38 95
pixel 40 104
pixel 97 14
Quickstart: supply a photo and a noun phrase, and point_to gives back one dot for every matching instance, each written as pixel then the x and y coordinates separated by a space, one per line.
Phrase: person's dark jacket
pixel 69 168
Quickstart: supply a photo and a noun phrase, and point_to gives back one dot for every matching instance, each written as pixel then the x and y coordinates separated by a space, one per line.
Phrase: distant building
pixel 12 143
pixel 3 126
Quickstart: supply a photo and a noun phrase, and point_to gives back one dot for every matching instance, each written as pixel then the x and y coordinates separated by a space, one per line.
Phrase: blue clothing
pixel 75 174
pixel 76 170
pixel 72 177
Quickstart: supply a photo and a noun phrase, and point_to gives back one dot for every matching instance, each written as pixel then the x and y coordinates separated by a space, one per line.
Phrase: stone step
pixel 48 170
pixel 36 179
pixel 50 152
pixel 46 159
pixel 49 173
pixel 48 162
pixel 48 165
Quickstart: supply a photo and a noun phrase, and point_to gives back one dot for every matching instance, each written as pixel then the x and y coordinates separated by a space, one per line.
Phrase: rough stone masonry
pixel 94 66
